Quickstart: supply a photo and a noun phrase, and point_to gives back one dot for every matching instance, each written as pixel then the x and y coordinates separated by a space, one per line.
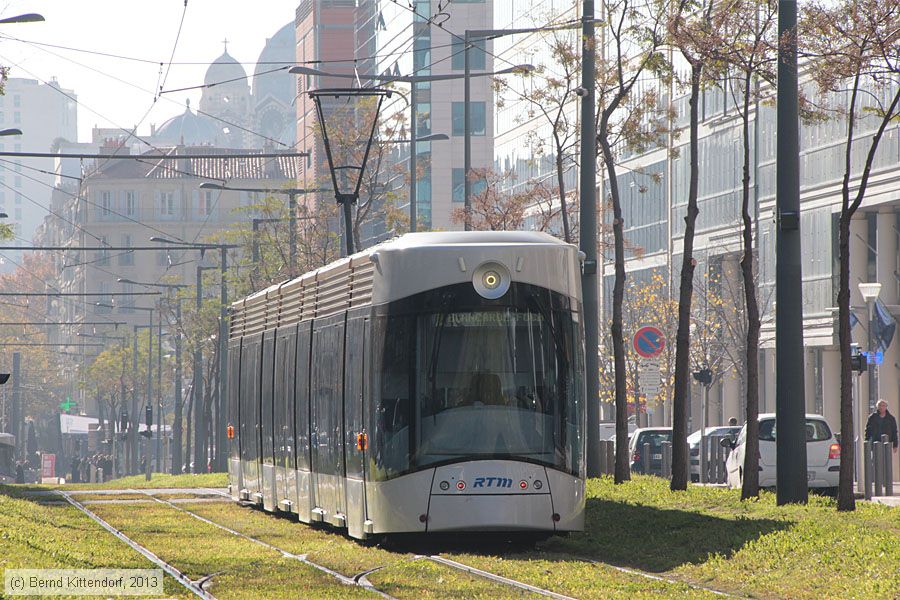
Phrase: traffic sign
pixel 648 342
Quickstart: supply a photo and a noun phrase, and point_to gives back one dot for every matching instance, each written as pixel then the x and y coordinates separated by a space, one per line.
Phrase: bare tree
pixel 857 49
pixel 634 33
pixel 690 30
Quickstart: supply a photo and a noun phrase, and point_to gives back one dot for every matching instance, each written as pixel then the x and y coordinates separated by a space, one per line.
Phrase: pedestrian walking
pixel 881 422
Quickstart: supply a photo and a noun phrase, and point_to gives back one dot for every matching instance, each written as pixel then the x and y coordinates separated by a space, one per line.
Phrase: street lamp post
pixel 413 81
pixel 221 390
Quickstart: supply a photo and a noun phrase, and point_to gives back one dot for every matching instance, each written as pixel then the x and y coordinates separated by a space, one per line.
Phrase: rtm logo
pixel 500 482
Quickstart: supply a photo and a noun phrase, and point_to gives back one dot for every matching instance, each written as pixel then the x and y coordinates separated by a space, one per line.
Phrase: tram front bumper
pixel 491 512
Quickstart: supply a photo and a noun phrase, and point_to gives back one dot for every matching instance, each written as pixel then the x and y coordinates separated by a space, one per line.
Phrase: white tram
pixel 433 383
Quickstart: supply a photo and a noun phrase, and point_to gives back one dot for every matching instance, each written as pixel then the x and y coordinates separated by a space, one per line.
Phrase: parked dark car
pixel 655 436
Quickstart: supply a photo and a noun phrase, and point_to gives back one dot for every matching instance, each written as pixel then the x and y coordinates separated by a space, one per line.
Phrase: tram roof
pixel 427 239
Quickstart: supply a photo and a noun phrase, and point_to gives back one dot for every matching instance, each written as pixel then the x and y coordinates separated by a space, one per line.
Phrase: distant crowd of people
pixel 81 468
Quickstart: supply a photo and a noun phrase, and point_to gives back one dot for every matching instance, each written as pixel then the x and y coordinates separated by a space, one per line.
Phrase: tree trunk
pixel 683 334
pixel 561 184
pixel 622 471
pixel 750 480
pixel 846 500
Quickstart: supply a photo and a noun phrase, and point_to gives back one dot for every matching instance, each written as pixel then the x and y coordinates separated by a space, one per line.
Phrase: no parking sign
pixel 648 342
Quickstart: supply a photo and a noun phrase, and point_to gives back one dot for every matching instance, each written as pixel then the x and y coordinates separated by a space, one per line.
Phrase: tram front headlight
pixel 491 280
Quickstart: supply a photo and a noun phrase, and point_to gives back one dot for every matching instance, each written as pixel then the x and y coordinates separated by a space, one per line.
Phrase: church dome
pixel 224 68
pixel 189 129
pixel 280 51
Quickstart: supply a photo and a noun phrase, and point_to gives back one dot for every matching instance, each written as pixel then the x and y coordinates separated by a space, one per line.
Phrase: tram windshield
pixel 491 379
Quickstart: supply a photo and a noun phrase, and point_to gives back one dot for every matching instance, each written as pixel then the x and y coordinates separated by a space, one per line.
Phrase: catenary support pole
pixel 413 175
pixel 588 238
pixel 179 401
pixel 15 423
pixel 221 389
pixel 199 425
pixel 789 393
pixel 292 235
pixel 467 133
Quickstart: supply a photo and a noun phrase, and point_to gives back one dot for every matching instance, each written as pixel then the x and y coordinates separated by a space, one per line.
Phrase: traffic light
pixel 123 424
pixel 148 420
pixel 858 360
pixel 703 376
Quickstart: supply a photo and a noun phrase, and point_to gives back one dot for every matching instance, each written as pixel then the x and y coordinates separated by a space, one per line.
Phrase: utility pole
pixel 199 425
pixel 15 425
pixel 789 393
pixel 221 389
pixel 179 403
pixel 159 393
pixel 413 175
pixel 588 237
pixel 292 236
pixel 132 432
pixel 467 134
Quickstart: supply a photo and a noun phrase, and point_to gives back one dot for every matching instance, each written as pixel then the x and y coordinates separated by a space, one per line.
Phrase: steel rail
pixel 180 577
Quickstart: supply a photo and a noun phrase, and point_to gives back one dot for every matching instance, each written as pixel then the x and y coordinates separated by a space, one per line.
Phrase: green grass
pixel 159 480
pixel 37 535
pixel 240 569
pixel 704 536
pixel 708 536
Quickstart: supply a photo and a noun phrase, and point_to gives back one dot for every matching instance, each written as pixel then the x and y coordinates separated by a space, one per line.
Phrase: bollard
pixel 667 460
pixel 704 459
pixel 878 462
pixel 867 470
pixel 888 466
pixel 645 458
pixel 717 458
pixel 611 457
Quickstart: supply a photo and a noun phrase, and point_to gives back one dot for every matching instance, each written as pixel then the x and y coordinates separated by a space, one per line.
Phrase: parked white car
pixel 823 454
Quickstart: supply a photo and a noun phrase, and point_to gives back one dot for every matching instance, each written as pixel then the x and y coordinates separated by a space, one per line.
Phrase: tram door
pixel 285 378
pixel 355 436
pixel 326 405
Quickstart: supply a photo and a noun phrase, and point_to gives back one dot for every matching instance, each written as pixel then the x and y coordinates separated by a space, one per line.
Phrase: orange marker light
pixel 362 441
pixel 231 432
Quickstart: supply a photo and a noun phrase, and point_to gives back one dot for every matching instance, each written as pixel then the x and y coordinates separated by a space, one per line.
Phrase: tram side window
pixel 390 452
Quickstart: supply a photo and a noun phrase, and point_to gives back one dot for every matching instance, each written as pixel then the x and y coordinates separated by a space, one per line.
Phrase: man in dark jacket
pixel 881 422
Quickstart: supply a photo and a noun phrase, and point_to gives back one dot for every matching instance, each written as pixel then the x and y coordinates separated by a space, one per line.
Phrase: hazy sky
pixel 113 92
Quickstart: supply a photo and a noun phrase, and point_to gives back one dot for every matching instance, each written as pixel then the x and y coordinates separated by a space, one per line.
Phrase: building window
pixel 18 181
pixel 17 117
pixel 126 258
pixel 126 305
pixel 106 207
pixel 18 214
pixel 130 203
pixel 459 185
pixel 167 206
pixel 476 55
pixel 423 119
pixel 207 201
pixel 17 100
pixel 103 255
pixel 476 115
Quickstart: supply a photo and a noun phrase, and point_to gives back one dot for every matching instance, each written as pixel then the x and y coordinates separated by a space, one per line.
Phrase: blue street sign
pixel 875 358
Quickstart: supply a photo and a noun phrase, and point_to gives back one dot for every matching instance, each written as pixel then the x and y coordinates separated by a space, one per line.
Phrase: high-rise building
pixel 46 114
pixel 421 38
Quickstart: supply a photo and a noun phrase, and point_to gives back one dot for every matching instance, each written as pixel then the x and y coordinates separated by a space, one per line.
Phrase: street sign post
pixel 648 342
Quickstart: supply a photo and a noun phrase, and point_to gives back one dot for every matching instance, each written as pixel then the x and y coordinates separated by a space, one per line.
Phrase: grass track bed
pixel 40 536
pixel 241 569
